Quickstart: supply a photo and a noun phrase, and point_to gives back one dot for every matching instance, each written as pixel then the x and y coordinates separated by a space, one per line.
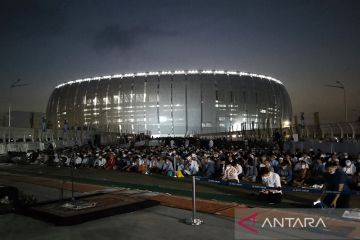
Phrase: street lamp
pixel 15 84
pixel 340 85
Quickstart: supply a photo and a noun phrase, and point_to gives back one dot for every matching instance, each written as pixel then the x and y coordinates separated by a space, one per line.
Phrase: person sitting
pixel 301 175
pixel 121 162
pixel 275 163
pixel 101 161
pixel 141 165
pixel 208 169
pixel 270 179
pixel 168 168
pixel 266 163
pixel 56 160
pixel 85 161
pixel 153 165
pixel 159 164
pixel 231 173
pixel 239 169
pixel 78 160
pixel 111 163
pixel 285 173
pixel 127 164
pixel 192 166
pixel 349 168
pixel 251 170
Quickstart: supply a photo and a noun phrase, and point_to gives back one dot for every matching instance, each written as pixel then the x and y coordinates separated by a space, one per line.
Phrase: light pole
pixel 15 84
pixel 340 85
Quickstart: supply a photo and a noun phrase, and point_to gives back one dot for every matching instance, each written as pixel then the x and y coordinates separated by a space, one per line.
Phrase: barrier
pixel 262 187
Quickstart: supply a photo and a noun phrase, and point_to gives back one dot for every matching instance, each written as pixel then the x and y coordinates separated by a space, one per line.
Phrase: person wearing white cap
pixel 102 161
pixel 78 160
pixel 56 159
pixel 85 161
pixel 192 167
pixel 349 168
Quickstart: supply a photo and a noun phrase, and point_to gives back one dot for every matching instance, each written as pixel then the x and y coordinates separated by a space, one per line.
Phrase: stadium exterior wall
pixel 172 103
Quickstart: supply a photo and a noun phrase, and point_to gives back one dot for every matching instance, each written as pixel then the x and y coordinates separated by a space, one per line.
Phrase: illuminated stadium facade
pixel 175 103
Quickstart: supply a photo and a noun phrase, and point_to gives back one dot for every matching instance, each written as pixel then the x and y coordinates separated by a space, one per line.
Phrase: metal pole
pixel 193 221
pixel 345 106
pixel 193 197
pixel 72 183
pixel 72 161
pixel 175 169
pixel 9 121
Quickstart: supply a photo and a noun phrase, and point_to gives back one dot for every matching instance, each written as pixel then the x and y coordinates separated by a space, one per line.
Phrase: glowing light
pixel 170 73
pixel 153 73
pixel 129 75
pixel 165 73
pixel 179 72
pixel 117 76
pixel 163 118
pixel 286 124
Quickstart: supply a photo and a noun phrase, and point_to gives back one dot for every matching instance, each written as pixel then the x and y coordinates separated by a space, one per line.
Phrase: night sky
pixel 305 44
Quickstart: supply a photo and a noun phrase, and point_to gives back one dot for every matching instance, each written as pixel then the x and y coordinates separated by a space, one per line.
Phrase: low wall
pixel 329 147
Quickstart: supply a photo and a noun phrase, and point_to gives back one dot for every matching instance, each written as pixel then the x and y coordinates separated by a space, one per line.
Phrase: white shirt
pixel 273 180
pixel 194 167
pixel 239 169
pixel 349 170
pixel 231 174
pixel 78 160
pixel 102 162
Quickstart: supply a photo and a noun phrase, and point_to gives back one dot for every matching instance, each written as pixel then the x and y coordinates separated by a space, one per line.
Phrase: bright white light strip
pixel 177 72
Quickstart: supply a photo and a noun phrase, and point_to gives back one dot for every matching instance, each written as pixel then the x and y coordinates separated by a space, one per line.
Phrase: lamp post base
pixel 193 221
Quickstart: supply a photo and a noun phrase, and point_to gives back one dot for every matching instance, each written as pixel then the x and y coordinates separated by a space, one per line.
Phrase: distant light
pixel 207 71
pixel 166 73
pixel 163 118
pixel 193 71
pixel 179 72
pixel 153 73
pixel 286 124
pixel 170 73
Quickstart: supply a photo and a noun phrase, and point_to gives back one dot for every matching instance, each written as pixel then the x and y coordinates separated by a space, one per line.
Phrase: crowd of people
pixel 216 159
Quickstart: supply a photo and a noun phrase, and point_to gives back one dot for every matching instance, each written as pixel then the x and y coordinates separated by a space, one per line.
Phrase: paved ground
pixel 154 223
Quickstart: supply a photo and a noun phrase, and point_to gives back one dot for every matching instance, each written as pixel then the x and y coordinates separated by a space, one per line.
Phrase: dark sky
pixel 305 44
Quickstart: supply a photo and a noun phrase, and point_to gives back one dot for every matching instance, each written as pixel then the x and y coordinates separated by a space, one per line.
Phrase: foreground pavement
pixel 153 223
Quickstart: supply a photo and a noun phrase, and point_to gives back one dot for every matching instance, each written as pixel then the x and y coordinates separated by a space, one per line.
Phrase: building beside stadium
pixel 175 103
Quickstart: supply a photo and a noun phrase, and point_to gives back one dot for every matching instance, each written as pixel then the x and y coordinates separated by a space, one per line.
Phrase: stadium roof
pixel 176 72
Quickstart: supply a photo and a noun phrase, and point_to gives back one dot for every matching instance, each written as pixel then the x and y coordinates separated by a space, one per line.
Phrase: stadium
pixel 172 103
